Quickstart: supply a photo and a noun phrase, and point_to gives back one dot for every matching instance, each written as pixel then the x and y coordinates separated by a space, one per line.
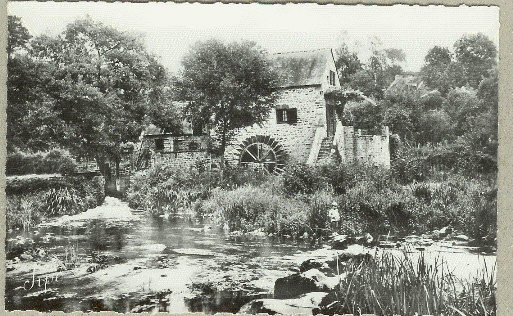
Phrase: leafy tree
pixel 95 88
pixel 18 34
pixel 435 126
pixel 432 100
pixel 399 120
pixel 476 54
pixel 380 70
pixel 363 115
pixel 482 135
pixel 488 91
pixel 365 82
pixel 462 105
pixel 227 86
pixel 436 72
pixel 347 64
pixel 21 82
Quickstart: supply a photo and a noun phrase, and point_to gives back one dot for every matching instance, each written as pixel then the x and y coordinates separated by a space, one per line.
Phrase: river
pixel 112 258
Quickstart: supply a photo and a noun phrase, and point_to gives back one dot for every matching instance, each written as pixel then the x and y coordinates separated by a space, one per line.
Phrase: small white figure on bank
pixel 334 216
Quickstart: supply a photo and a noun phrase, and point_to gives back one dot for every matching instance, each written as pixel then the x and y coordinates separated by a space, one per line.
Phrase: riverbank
pixel 295 204
pixel 33 198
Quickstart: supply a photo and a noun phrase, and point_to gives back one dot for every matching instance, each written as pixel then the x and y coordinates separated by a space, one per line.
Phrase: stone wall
pixel 371 149
pixel 177 143
pixel 295 138
pixel 182 159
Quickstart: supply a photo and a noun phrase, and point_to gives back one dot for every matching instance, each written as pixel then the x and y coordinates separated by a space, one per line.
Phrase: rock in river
pixel 341 242
pixel 156 248
pixel 318 264
pixel 461 238
pixel 442 233
pixel 296 284
pixel 304 304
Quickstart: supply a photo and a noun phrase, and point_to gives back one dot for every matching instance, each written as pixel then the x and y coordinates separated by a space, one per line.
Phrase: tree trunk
pixel 117 167
pixel 104 167
pixel 223 142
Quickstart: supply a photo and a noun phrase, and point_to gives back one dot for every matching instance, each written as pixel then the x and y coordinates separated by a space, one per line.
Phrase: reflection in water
pixel 110 258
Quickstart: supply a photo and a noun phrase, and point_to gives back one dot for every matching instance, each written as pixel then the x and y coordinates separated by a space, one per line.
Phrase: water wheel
pixel 262 153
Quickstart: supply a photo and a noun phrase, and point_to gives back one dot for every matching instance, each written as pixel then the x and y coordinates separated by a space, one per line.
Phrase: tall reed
pixel 392 285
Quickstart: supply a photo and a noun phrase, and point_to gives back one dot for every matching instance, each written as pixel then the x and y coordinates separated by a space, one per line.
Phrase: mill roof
pixel 303 68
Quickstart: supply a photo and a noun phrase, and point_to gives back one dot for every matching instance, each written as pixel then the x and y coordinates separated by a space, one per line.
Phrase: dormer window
pixel 286 116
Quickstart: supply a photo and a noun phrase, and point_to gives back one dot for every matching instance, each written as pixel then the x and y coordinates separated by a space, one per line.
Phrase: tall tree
pixel 96 85
pixel 436 72
pixel 227 86
pixel 476 54
pixel 379 71
pixel 18 34
pixel 21 82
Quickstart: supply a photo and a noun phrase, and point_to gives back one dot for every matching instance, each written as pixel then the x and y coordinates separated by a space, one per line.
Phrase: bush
pixel 53 161
pixel 300 179
pixel 31 199
pixel 370 207
pixel 409 169
pixel 420 164
pixel 92 190
pixel 318 220
pixel 250 208
pixel 23 211
pixel 481 221
pixel 339 177
pixel 468 205
pixel 63 201
pixel 165 187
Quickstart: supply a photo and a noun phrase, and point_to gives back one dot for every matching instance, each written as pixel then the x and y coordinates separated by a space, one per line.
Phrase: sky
pixel 170 28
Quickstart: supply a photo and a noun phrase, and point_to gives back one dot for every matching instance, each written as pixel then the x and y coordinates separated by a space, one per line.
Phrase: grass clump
pixel 389 285
pixel 29 202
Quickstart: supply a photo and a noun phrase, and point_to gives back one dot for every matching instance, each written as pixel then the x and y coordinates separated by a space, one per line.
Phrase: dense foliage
pixel 91 89
pixel 371 199
pixel 166 187
pixel 453 99
pixel 227 86
pixel 53 161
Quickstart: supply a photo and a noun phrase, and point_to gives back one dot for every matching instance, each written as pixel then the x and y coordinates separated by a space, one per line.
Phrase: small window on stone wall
pixel 159 144
pixel 286 116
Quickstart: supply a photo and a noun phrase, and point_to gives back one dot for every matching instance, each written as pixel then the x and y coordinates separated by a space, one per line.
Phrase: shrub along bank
pixel 53 161
pixel 33 198
pixel 371 200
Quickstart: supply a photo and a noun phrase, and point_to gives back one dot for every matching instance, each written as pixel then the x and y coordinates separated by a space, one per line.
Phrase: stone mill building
pixel 303 127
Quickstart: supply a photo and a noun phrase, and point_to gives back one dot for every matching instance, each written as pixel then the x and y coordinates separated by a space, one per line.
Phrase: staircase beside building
pixel 324 155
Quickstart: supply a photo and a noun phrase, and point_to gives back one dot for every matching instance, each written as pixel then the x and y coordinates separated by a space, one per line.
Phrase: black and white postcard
pixel 252 158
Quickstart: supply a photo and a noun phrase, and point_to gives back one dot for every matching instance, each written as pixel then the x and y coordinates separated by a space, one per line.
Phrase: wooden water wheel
pixel 262 153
